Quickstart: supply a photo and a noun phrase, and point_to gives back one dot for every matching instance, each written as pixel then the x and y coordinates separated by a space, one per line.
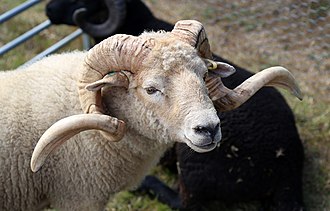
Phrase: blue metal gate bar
pixel 86 41
pixel 20 8
pixel 27 35
pixel 56 46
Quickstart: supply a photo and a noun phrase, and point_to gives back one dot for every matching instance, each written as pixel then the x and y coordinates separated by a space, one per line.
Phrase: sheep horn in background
pixel 67 128
pixel 193 33
pixel 116 17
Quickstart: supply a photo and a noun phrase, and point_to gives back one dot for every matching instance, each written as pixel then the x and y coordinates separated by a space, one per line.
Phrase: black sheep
pixel 136 19
pixel 261 156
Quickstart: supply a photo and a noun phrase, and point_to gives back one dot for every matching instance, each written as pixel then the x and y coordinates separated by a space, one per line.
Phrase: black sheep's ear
pixel 219 69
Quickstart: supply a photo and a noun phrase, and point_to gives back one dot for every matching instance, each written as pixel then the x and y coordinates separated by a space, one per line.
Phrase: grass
pixel 244 41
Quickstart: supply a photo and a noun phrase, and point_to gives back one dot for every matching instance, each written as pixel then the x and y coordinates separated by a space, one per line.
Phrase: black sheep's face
pixel 61 11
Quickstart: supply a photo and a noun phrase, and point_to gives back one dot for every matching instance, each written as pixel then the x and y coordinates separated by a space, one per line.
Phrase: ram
pixel 269 162
pixel 129 90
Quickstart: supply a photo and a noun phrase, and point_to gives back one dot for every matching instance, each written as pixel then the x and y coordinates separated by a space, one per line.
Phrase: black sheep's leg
pixel 153 186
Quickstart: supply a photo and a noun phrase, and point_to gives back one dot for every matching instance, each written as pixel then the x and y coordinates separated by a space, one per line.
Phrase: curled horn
pixel 193 33
pixel 117 53
pixel 59 133
pixel 116 17
pixel 226 99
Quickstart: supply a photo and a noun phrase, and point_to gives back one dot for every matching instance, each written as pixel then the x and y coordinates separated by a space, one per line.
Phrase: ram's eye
pixel 151 90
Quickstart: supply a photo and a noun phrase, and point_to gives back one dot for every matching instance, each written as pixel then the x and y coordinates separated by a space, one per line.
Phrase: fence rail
pixel 56 46
pixel 15 11
pixel 36 30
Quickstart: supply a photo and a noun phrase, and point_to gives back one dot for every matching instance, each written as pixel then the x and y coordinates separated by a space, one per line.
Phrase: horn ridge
pixel 193 33
pixel 119 52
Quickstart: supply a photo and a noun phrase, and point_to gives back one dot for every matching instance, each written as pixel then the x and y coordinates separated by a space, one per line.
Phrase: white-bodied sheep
pixel 152 83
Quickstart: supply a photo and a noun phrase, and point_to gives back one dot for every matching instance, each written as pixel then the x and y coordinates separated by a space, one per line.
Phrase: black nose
pixel 209 131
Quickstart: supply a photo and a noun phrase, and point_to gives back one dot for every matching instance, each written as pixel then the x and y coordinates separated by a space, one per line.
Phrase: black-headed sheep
pixel 90 16
pixel 269 161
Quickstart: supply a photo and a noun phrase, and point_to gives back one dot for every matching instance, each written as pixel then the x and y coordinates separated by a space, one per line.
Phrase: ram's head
pixel 171 76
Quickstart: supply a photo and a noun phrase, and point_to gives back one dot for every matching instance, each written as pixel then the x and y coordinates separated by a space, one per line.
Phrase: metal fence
pixel 289 27
pixel 295 34
pixel 36 30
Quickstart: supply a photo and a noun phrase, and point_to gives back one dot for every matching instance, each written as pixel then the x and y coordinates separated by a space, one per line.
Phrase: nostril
pixel 207 130
pixel 200 129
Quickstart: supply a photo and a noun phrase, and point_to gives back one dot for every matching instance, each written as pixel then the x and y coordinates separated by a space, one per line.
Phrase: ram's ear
pixel 111 79
pixel 219 68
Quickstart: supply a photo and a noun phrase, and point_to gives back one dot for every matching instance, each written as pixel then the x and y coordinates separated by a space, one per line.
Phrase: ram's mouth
pixel 201 148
